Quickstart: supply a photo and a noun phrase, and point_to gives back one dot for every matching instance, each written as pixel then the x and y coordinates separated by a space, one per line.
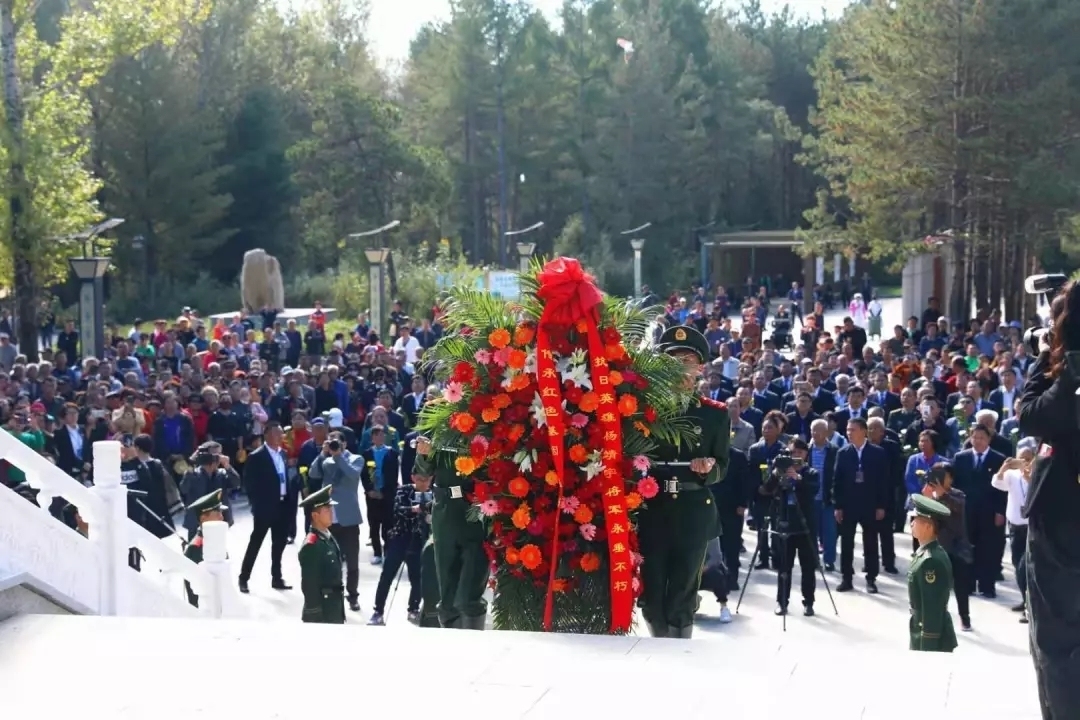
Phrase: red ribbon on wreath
pixel 570 296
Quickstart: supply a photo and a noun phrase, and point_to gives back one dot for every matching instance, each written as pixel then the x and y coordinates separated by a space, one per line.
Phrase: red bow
pixel 569 293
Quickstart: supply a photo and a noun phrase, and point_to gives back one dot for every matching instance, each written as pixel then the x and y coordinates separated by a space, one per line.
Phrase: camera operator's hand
pixel 702 466
pixel 839 515
pixel 879 514
pixel 416 509
pixel 326 448
pixel 1044 342
pixel 423 446
pixel 740 511
pixel 792 473
pixel 223 460
pixel 999 520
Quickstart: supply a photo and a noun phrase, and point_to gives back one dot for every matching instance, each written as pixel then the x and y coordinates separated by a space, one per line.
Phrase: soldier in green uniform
pixel 206 509
pixel 320 563
pixel 681 520
pixel 429 583
pixel 460 561
pixel 930 581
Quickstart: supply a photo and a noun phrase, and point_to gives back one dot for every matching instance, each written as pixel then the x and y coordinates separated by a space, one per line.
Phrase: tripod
pixel 783 535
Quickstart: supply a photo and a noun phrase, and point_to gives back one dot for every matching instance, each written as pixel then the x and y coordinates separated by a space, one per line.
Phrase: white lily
pixel 523 460
pixel 530 362
pixel 579 375
pixel 593 469
pixel 508 378
pixel 538 411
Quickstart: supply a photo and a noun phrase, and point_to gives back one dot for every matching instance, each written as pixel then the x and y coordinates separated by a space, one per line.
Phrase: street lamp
pixel 525 249
pixel 637 244
pixel 90 271
pixel 376 257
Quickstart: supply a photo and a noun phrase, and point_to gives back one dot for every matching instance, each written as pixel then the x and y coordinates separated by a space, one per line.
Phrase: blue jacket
pixel 343 474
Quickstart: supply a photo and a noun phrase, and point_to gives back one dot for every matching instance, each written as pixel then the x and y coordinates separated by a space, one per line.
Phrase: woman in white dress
pixel 874 310
pixel 857 310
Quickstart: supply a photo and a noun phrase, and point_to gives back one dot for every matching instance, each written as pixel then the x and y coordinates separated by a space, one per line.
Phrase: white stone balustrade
pixel 93 574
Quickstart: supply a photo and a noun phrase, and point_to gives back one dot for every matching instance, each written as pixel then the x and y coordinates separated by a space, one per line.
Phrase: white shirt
pixel 1008 400
pixel 76 440
pixel 1013 482
pixel 279 465
pixel 411 347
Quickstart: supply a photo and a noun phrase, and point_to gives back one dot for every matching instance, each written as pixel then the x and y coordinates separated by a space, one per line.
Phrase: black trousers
pixel 888 542
pixel 763 521
pixel 380 520
pixel 805 547
pixel 730 545
pixel 348 538
pixel 870 544
pixel 899 514
pixel 1053 586
pixel 1018 549
pixel 278 527
pixel 988 542
pixel 401 549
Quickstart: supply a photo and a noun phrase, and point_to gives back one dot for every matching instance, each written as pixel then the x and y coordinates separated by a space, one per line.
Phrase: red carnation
pixel 481 491
pixel 650 414
pixel 463 372
pixel 573 394
pixel 610 336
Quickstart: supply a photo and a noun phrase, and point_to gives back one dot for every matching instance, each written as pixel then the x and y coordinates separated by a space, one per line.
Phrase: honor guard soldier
pixel 206 509
pixel 321 563
pixel 682 518
pixel 429 583
pixel 930 580
pixel 460 561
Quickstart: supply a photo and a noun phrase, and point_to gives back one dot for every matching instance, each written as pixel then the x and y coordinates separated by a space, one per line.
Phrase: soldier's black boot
pixel 455 624
pixel 479 622
pixel 655 630
pixel 683 633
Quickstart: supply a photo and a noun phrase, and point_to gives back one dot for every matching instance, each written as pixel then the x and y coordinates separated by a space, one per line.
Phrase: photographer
pixel 339 469
pixel 792 486
pixel 1048 411
pixel 404 544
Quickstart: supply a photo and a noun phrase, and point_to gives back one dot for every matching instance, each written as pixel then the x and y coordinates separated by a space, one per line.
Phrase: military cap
pixel 929 508
pixel 319 498
pixel 684 338
pixel 207 503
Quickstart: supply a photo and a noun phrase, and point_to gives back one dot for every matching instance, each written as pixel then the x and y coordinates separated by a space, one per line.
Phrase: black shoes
pixel 244 587
pixel 871 587
pixel 780 610
pixel 891 570
pixel 762 565
pixel 1019 608
pixel 845 585
pixel 830 567
pixel 808 610
pixel 965 624
pixel 280 584
pixel 989 594
pixel 354 606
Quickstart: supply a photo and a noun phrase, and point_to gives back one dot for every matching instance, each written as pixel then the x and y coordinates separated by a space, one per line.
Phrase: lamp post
pixel 90 271
pixel 525 249
pixel 637 244
pixel 377 255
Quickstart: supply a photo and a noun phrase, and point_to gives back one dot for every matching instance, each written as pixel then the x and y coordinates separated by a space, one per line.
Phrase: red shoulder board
pixel 197 542
pixel 312 538
pixel 713 403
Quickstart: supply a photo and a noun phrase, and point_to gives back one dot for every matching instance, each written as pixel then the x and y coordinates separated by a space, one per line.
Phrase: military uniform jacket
pixel 930 583
pixel 320 580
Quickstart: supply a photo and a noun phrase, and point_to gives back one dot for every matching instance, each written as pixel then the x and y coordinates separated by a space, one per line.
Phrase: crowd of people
pixel 205 405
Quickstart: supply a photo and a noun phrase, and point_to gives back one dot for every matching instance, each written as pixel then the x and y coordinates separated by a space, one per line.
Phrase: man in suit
pixel 897 463
pixel 763 399
pixel 747 411
pixel 800 421
pixel 881 396
pixel 821 456
pixel 732 497
pixel 794 512
pixel 821 399
pixel 856 409
pixel 860 495
pixel 973 471
pixel 413 402
pixel 337 467
pixel 273 504
pixel 989 420
pixel 784 384
pixel 719 389
pixel 761 456
pixel 380 477
pixel 1004 397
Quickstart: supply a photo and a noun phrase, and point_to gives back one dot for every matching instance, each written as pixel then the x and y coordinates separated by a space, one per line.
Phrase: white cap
pixel 334 418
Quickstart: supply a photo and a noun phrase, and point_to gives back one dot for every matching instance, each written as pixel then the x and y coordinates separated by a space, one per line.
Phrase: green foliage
pixel 422 276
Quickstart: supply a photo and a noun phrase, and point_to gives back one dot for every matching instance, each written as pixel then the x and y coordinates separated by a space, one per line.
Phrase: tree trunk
pixel 960 303
pixel 22 245
pixel 997 261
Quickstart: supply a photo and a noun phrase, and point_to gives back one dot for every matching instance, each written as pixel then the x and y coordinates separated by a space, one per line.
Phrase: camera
pixel 1048 285
pixel 423 500
pixel 778 479
pixel 334 445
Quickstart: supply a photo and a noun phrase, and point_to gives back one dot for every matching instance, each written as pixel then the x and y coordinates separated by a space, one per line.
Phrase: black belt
pixel 674 487
pixel 452 492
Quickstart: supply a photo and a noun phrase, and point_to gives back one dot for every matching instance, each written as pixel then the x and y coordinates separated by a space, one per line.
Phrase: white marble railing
pixel 93 571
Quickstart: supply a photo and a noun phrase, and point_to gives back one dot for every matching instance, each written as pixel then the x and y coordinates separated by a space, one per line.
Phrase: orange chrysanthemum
pixel 627 405
pixel 521 517
pixel 578 454
pixel 516 432
pixel 642 428
pixel 501 401
pixel 590 562
pixel 633 500
pixel 614 352
pixel 530 557
pixel 589 402
pixel 559 585
pixel 464 423
pixel 517 359
pixel 465 465
pixel 512 556
pixel 499 338
pixel 523 335
pixel 581 326
pixel 616 378
pixel 519 487
pixel 489 415
pixel 583 515
pixel 519 382
pixel 551 478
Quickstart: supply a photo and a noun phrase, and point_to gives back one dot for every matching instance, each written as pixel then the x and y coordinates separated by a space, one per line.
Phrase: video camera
pixel 1048 285
pixel 778 479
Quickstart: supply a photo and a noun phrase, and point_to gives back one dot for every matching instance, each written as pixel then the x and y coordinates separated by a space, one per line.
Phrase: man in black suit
pixel 761 454
pixel 273 505
pixel 414 401
pixel 821 396
pixel 747 411
pixel 860 494
pixel 973 471
pixel 784 384
pixel 799 422
pixel 719 387
pixel 794 511
pixel 380 479
pixel 1004 398
pixel 732 498
pixel 763 399
pixel 856 409
pixel 897 464
pixel 880 395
